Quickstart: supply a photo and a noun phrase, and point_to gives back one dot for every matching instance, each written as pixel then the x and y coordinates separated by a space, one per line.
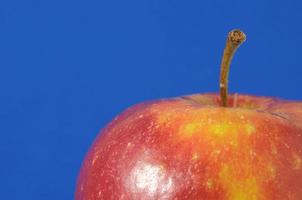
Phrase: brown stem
pixel 235 38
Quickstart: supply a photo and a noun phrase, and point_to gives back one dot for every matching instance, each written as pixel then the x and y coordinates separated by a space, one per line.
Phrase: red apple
pixel 198 147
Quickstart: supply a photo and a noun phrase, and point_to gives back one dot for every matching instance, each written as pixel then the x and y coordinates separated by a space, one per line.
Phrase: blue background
pixel 68 67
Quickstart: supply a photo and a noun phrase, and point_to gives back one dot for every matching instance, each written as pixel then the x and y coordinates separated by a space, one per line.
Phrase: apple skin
pixel 191 148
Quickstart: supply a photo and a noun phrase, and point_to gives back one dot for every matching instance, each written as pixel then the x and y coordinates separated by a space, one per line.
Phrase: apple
pixel 199 147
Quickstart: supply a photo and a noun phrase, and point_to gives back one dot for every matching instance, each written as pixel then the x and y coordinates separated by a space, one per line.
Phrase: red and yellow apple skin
pixel 191 148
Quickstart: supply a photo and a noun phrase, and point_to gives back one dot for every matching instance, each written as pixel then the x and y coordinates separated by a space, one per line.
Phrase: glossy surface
pixel 190 148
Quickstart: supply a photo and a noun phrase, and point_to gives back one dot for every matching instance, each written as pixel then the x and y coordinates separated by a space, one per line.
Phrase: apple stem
pixel 234 40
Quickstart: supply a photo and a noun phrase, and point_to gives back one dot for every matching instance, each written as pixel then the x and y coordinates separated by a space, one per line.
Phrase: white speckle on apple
pixel 150 179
